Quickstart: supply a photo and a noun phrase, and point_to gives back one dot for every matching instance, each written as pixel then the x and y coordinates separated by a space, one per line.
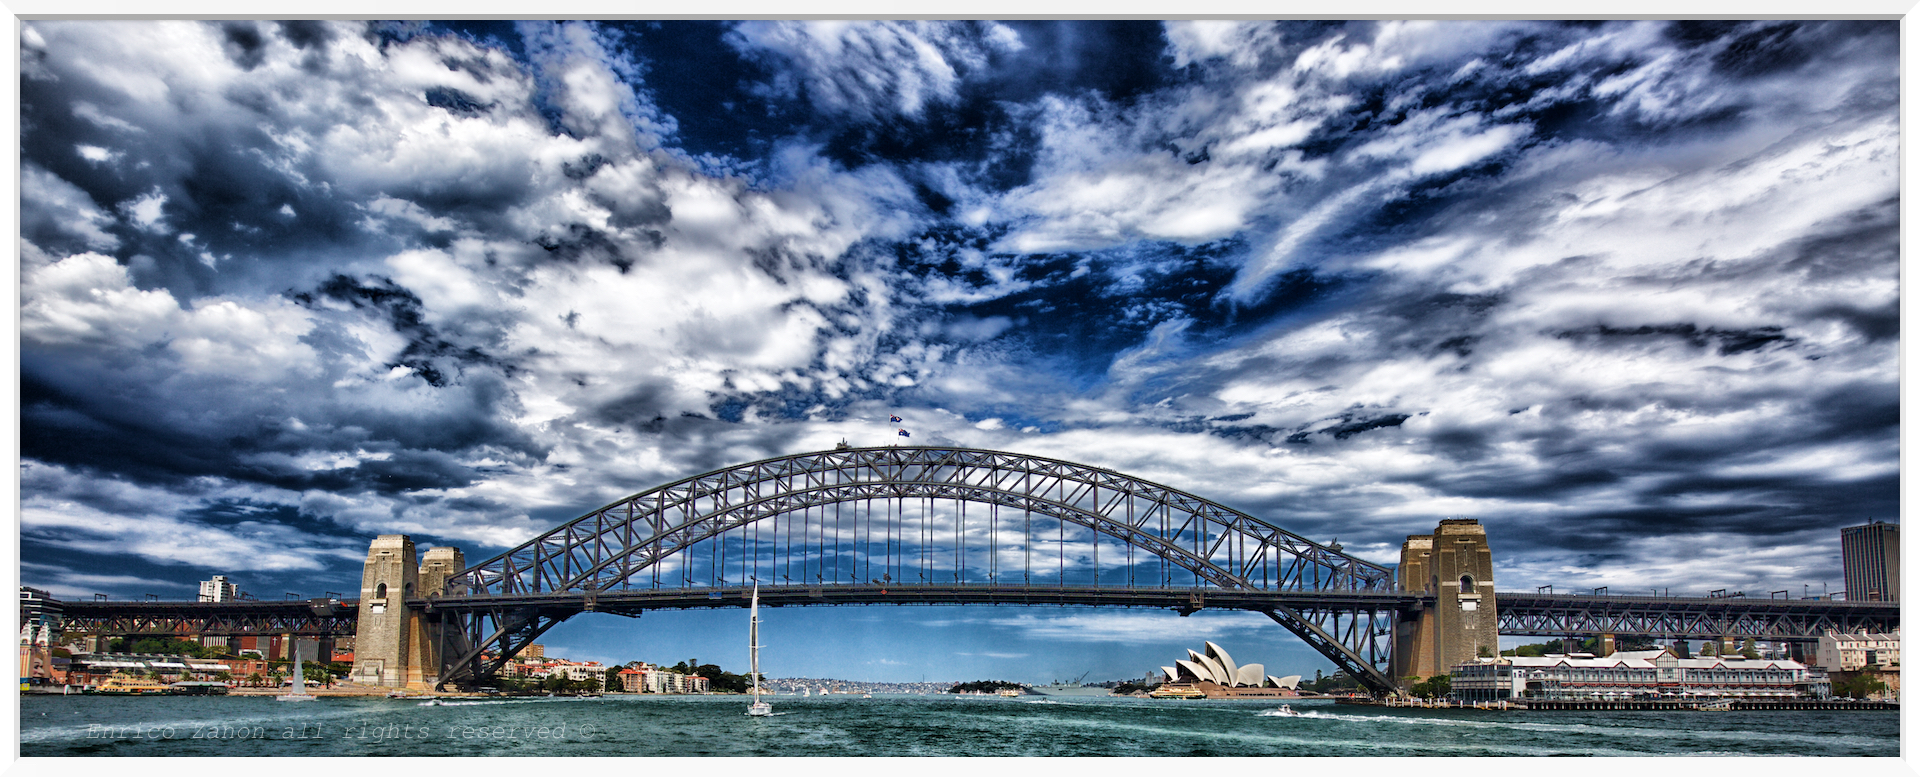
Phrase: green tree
pixel 1338 681
pixel 1859 686
pixel 1635 643
pixel 717 680
pixel 1749 649
pixel 1432 687
pixel 985 686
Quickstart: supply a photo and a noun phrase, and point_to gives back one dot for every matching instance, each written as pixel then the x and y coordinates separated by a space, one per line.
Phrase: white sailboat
pixel 759 707
pixel 299 683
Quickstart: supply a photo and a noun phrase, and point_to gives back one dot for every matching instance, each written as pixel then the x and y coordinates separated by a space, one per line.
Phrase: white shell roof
pixel 1198 671
pixel 1226 661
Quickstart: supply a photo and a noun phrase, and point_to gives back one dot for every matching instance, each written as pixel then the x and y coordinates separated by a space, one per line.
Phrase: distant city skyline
pixel 1626 292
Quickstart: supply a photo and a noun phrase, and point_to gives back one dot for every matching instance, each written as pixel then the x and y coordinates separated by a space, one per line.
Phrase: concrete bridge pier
pixel 394 645
pixel 1455 566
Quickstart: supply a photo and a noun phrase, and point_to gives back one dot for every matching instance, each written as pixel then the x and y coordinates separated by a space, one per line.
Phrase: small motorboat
pixel 1285 711
pixel 433 703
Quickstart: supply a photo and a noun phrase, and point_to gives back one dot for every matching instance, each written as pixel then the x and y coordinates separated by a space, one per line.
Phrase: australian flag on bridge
pixel 903 433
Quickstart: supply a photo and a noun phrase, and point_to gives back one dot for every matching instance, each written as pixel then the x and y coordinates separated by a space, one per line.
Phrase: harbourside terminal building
pixel 1636 675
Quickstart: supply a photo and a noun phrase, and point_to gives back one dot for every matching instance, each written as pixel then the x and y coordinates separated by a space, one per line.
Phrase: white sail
pixel 299 682
pixel 759 707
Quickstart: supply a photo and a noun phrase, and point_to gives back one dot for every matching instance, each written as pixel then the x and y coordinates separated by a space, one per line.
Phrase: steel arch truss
pixel 680 535
pixel 1359 640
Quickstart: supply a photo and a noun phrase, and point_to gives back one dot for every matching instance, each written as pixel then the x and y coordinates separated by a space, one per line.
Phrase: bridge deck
pixel 780 596
pixel 1520 613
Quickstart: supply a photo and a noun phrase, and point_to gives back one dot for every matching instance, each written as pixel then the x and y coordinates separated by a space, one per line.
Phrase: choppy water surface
pixel 908 726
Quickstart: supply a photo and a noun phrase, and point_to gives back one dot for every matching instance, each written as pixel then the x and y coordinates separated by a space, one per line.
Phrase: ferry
pixel 122 685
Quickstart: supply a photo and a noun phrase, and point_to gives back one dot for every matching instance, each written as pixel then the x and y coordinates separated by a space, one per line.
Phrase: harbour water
pixel 908 726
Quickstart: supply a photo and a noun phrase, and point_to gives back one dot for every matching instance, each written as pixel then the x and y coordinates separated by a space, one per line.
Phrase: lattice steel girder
pixel 1677 618
pixel 633 534
pixel 305 618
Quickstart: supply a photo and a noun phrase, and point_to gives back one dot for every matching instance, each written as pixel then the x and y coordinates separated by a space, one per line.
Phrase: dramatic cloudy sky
pixel 1625 292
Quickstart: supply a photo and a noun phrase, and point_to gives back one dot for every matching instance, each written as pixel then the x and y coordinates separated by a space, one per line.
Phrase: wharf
pixel 1744 705
pixel 1741 705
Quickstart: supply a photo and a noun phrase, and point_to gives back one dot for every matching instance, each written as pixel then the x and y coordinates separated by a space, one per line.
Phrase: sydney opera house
pixel 1214 675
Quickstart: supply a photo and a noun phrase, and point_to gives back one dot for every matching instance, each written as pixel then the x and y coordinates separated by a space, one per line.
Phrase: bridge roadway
pixel 1521 614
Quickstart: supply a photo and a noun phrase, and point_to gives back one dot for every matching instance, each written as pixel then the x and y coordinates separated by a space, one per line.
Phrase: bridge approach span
pixel 1673 617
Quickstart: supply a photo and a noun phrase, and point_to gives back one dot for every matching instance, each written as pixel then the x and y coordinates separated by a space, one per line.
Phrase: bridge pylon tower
pixel 1454 566
pixel 395 645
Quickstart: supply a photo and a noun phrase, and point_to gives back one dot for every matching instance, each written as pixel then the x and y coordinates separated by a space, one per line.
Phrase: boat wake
pixel 1297 714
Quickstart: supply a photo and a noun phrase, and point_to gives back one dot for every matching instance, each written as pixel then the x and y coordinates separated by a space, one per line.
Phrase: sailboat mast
pixel 753 640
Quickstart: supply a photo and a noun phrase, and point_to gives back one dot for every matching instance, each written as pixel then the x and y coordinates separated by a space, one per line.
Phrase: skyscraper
pixel 218 590
pixel 1871 556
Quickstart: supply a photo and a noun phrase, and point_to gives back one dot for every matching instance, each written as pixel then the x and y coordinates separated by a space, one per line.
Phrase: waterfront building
pixel 579 671
pixel 36 656
pixel 1640 674
pixel 647 678
pixel 1844 652
pixel 218 590
pixel 41 609
pixel 1870 556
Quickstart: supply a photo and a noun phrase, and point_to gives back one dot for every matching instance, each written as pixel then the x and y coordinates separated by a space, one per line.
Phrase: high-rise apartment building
pixel 1870 555
pixel 218 590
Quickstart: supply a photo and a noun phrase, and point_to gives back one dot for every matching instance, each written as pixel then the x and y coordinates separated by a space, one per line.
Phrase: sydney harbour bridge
pixel 914 525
